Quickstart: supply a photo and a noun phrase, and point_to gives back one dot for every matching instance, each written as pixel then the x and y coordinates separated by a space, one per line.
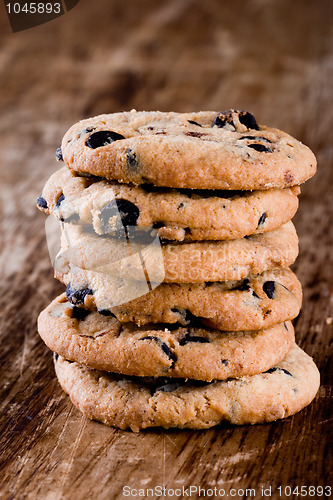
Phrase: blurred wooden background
pixel 272 57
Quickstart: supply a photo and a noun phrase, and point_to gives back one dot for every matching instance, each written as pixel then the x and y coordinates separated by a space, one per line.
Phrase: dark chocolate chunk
pixel 277 368
pixel 76 297
pixel 80 313
pixel 191 318
pixel 105 312
pixel 165 348
pixel 269 289
pixel 220 121
pixel 248 120
pixel 262 219
pixel 41 202
pixel 191 338
pixel 225 362
pixel 255 295
pixel 131 159
pixel 102 138
pixel 194 123
pixel 89 129
pixel 187 317
pixel 259 147
pixel 58 154
pixel 182 314
pixel 129 213
pixel 254 138
pixel 56 356
pixel 168 352
pixel 60 199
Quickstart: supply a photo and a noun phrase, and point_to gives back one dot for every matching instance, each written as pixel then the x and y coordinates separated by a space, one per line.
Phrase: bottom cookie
pixel 138 403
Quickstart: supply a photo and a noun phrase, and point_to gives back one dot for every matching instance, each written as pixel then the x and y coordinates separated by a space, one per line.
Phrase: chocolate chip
pixel 259 147
pixel 190 338
pixel 277 368
pixel 220 121
pixel 269 289
pixel 248 120
pixel 131 159
pixel 41 203
pixel 254 138
pixel 103 138
pixel 262 219
pixel 168 352
pixel 76 297
pixel 181 312
pixel 105 312
pixel 194 123
pixel 80 313
pixel 255 295
pixel 187 317
pixel 165 348
pixel 60 199
pixel 58 154
pixel 191 318
pixel 56 356
pixel 129 213
pixel 89 129
pixel 225 362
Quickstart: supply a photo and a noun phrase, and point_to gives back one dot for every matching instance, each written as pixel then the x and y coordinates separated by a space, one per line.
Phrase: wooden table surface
pixel 273 57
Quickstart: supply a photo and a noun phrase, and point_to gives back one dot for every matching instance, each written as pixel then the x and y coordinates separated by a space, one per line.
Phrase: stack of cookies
pixel 175 251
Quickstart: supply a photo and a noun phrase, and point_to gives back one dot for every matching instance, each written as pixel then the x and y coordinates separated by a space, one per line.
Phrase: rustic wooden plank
pixel 274 58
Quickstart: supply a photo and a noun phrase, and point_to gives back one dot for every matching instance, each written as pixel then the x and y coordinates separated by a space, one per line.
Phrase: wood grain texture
pixel 273 57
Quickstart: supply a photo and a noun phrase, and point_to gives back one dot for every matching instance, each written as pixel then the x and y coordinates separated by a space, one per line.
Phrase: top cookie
pixel 204 150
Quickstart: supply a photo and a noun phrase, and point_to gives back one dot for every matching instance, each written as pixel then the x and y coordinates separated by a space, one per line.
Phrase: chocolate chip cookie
pixel 138 403
pixel 204 150
pixel 88 260
pixel 182 214
pixel 249 304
